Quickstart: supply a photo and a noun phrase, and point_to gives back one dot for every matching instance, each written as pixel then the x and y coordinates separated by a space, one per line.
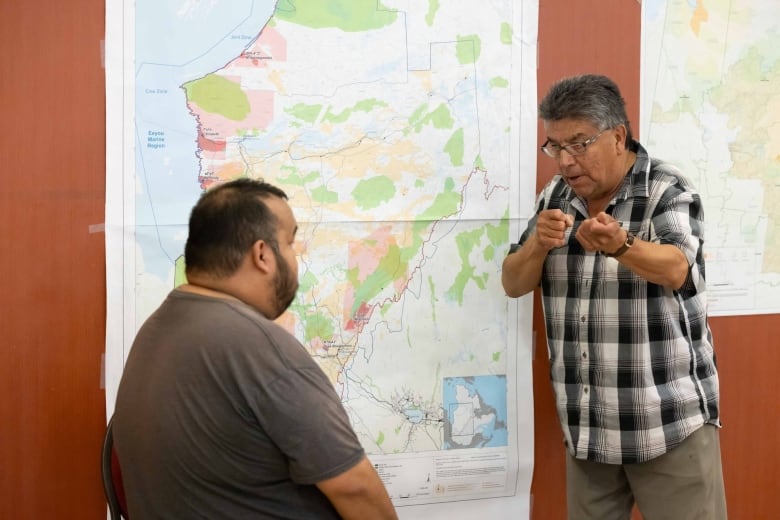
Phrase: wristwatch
pixel 623 248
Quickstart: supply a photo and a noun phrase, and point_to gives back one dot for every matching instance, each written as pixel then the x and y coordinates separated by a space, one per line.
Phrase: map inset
pixel 476 412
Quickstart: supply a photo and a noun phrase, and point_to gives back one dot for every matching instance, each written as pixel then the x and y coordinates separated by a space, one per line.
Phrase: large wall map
pixel 711 105
pixel 394 127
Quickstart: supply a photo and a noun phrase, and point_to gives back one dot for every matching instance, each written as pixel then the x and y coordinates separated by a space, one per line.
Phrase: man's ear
pixel 621 134
pixel 262 256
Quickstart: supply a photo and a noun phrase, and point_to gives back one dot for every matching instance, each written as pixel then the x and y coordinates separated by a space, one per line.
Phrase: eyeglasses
pixel 554 150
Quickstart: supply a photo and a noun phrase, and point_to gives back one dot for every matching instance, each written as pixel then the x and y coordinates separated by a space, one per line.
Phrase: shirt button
pixel 585 390
pixel 584 355
pixel 582 319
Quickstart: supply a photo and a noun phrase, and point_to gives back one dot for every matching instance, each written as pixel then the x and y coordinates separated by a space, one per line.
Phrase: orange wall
pixel 52 314
pixel 52 310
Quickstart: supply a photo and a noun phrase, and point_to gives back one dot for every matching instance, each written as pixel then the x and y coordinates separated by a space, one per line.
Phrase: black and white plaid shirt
pixel 631 362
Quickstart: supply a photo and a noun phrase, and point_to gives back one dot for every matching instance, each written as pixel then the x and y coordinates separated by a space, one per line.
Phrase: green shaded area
pixel 392 265
pixel 466 242
pixel 179 275
pixel 417 119
pixel 292 176
pixel 433 8
pixel 317 326
pixel 380 439
pixel 499 82
pixel 366 105
pixel 440 117
pixel 468 49
pixel 323 195
pixel 489 253
pixel 434 299
pixel 218 95
pixel 444 205
pixel 347 15
pixel 496 357
pixel 506 34
pixel 370 193
pixel 410 252
pixel 304 112
pixel 247 132
pixel 307 282
pixel 454 147
pixel 498 235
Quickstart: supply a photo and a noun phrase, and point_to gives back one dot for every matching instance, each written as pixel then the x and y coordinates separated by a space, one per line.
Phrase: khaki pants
pixel 683 484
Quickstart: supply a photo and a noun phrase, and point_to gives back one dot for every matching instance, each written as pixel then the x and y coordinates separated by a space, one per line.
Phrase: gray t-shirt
pixel 221 413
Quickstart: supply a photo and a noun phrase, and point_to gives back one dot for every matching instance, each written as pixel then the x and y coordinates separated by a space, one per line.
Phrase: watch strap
pixel 623 248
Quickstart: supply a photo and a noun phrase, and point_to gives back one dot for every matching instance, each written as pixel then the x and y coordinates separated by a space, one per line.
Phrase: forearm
pixel 359 493
pixel 661 264
pixel 363 506
pixel 521 271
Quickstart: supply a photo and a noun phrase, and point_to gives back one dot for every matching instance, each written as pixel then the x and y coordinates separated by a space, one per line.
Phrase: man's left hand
pixel 601 233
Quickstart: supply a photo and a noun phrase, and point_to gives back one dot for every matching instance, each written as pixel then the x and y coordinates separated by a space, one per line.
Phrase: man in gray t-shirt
pixel 220 412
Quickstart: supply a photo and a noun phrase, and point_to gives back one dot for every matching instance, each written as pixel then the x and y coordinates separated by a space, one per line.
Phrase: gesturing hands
pixel 551 228
pixel 601 233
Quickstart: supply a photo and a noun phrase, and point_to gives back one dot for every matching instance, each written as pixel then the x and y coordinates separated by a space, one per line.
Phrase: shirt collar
pixel 637 182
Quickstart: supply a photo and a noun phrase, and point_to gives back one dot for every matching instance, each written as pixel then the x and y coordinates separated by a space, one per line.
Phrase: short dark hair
pixel 590 97
pixel 226 221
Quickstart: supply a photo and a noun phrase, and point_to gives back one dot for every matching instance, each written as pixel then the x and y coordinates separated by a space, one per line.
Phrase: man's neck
pixel 196 288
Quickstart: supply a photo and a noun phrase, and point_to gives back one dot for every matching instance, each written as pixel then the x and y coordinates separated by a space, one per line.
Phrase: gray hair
pixel 588 97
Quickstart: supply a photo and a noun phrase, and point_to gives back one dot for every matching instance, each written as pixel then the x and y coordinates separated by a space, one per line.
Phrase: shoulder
pixel 668 185
pixel 658 179
pixel 281 342
pixel 668 173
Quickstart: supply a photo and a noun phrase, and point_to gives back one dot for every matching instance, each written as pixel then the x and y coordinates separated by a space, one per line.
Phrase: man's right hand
pixel 522 270
pixel 551 226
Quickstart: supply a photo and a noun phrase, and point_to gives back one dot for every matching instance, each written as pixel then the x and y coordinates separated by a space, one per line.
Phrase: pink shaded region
pixel 364 311
pixel 270 45
pixel 210 145
pixel 365 256
pixel 217 128
pixel 216 131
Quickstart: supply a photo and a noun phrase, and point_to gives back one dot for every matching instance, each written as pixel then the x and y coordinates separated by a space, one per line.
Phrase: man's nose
pixel 565 158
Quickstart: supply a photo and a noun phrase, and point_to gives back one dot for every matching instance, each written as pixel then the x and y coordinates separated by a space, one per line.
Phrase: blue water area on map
pixel 487 398
pixel 172 47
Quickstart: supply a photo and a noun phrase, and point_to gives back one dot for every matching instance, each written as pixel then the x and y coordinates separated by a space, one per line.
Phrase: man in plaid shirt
pixel 616 245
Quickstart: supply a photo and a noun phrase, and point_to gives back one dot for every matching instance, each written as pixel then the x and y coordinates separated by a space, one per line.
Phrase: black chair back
pixel 112 476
